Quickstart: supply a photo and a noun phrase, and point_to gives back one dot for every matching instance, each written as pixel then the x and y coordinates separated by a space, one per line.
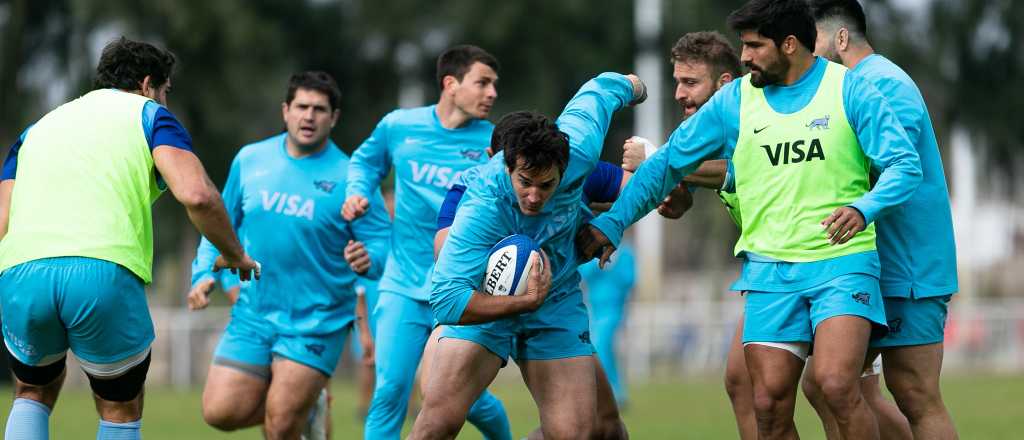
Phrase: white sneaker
pixel 316 428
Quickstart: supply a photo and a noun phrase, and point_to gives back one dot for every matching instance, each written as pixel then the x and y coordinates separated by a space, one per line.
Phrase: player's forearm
pixel 211 219
pixel 483 308
pixel 710 174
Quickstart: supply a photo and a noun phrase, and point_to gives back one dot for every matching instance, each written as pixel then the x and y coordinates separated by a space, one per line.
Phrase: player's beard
pixel 770 74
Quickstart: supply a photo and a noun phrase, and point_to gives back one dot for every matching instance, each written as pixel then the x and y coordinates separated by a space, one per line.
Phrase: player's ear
pixel 448 81
pixel 842 39
pixel 723 79
pixel 146 85
pixel 490 152
pixel 335 115
pixel 284 111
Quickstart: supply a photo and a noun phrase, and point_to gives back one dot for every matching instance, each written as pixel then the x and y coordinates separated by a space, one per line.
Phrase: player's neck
pixel 855 54
pixel 295 152
pixel 798 68
pixel 450 115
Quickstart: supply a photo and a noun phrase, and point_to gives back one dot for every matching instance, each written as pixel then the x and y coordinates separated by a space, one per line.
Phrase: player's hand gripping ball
pixel 508 267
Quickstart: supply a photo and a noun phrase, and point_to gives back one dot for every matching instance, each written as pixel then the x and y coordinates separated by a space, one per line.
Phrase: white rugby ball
pixel 508 266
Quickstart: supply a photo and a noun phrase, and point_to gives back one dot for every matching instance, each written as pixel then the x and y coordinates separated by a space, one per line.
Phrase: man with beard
pixel 915 243
pixel 287 331
pixel 803 136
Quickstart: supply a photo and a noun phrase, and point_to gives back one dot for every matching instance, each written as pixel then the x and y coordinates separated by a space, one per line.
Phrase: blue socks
pixel 29 420
pixel 488 415
pixel 119 431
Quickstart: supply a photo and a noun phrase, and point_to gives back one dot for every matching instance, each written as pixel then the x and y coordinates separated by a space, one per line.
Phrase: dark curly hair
pixel 708 47
pixel 534 138
pixel 457 60
pixel 776 19
pixel 125 63
pixel 318 81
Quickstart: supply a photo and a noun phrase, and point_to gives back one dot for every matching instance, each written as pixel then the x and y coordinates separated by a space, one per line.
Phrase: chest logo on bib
pixel 818 124
pixel 785 153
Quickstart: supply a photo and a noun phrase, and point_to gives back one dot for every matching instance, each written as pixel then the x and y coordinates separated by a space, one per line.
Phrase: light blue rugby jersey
pixel 427 158
pixel 712 133
pixel 287 213
pixel 915 241
pixel 489 210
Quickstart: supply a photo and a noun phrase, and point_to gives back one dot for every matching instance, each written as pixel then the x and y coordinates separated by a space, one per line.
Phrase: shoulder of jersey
pixel 260 147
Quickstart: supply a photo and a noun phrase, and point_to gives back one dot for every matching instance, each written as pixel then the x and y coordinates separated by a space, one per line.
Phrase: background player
pixel 915 243
pixel 79 283
pixel 428 147
pixel 608 291
pixel 287 332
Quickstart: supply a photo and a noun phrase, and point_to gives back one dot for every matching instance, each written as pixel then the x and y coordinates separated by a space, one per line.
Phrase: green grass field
pixel 986 407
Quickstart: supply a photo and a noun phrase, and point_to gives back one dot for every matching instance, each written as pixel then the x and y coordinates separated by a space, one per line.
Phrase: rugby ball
pixel 508 266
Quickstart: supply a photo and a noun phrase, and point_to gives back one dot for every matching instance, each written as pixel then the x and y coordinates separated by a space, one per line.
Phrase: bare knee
pixel 568 430
pixel 811 389
pixel 436 423
pixel 915 400
pixel 737 384
pixel 841 394
pixel 282 423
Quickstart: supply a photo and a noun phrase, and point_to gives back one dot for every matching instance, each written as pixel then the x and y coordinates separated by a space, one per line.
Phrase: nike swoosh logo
pixel 756 131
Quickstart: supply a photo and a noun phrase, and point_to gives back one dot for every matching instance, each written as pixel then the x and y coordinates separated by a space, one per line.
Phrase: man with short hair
pixel 78 281
pixel 533 188
pixel 287 332
pixel 803 135
pixel 428 147
pixel 915 243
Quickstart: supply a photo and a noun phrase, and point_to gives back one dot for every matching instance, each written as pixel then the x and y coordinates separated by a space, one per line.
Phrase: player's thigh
pixel 462 369
pixel 294 388
pixel 737 379
pixel 913 370
pixel 231 393
pixel 607 407
pixel 428 357
pixel 241 367
pixel 565 391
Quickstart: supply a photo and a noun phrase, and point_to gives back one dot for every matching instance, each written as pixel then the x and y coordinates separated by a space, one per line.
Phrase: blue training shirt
pixel 602 186
pixel 712 133
pixel 286 212
pixel 427 159
pixel 915 242
pixel 490 211
pixel 159 125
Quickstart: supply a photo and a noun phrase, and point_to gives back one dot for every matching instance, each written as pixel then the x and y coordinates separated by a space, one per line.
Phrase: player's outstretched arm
pixel 191 186
pixel 370 163
pixel 486 308
pixel 588 114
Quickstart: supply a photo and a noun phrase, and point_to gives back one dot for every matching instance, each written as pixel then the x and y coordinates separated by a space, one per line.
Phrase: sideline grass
pixel 985 407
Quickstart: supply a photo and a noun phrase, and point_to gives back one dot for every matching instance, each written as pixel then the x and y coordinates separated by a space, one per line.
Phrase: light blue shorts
pixel 250 343
pixel 559 329
pixel 94 307
pixel 914 321
pixel 793 316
